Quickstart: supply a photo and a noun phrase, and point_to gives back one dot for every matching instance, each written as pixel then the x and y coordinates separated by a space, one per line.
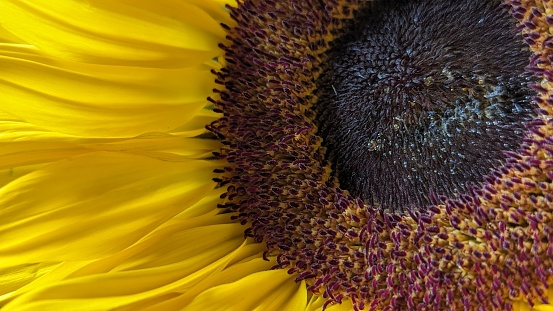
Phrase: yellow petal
pixel 196 125
pixel 201 214
pixel 163 146
pixel 52 272
pixel 100 101
pixel 161 34
pixel 22 50
pixel 94 205
pixel 15 277
pixel 24 150
pixel 6 36
pixel 246 262
pixel 26 147
pixel 216 9
pixel 141 285
pixel 267 290
pixel 208 204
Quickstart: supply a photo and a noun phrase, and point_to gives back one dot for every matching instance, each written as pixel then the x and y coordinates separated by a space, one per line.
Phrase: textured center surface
pixel 422 96
pixel 490 248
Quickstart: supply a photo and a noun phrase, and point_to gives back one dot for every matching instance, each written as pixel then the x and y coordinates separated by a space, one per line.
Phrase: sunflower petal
pixel 94 205
pixel 6 36
pixel 266 290
pixel 162 146
pixel 208 204
pixel 196 125
pixel 105 291
pixel 168 34
pixel 141 253
pixel 247 264
pixel 26 147
pixel 15 277
pixel 55 272
pixel 216 9
pixel 99 101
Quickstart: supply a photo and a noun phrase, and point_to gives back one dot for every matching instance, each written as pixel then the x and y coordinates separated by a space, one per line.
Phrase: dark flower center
pixel 478 250
pixel 422 96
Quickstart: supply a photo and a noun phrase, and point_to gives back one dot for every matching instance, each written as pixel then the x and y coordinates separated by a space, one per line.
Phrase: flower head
pixel 107 199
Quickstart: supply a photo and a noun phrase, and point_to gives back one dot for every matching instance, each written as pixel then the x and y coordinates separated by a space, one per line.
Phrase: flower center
pixel 422 96
pixel 481 249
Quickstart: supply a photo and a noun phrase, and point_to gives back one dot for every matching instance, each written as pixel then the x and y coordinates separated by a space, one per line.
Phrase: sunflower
pixel 116 118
